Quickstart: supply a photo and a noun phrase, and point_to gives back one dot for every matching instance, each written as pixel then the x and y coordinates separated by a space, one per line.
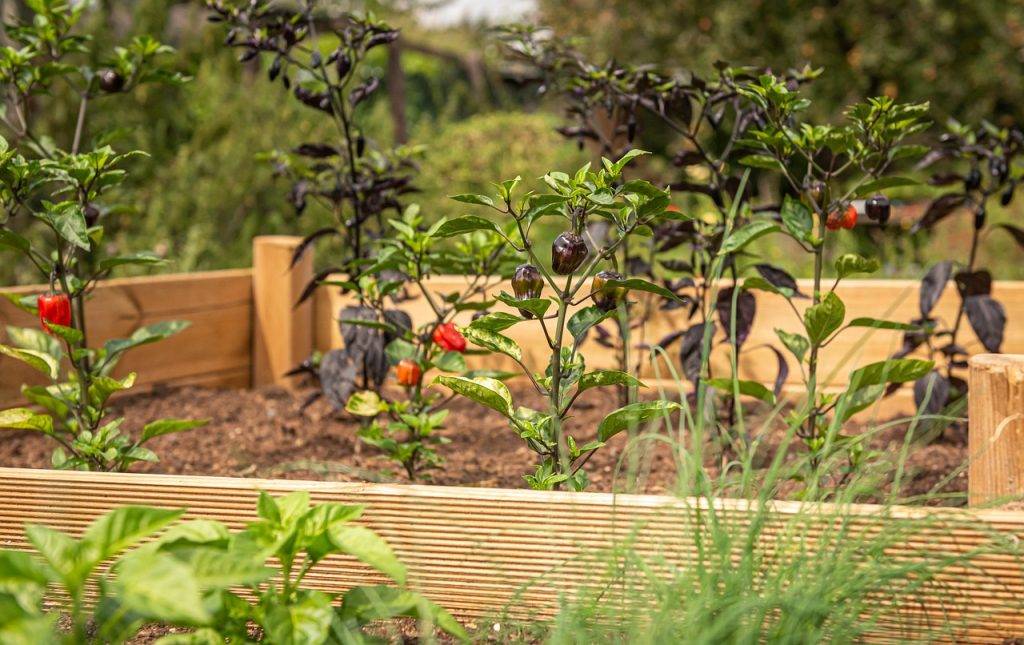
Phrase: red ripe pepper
pixel 449 339
pixel 54 308
pixel 408 372
pixel 847 220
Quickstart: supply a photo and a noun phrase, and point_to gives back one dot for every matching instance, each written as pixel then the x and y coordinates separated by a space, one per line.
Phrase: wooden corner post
pixel 282 332
pixel 996 427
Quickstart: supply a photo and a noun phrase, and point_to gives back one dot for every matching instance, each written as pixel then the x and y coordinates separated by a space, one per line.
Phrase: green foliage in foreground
pixel 190 574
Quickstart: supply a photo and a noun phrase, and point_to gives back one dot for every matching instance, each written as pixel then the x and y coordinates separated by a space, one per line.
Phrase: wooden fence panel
pixel 476 550
pixel 886 299
pixel 216 350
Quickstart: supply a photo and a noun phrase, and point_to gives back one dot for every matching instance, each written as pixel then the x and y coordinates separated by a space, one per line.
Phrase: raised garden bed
pixel 478 550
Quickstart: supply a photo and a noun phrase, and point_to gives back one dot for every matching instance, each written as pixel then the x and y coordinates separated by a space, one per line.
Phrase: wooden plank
pixel 996 431
pixel 213 351
pixel 479 551
pixel 282 332
pixel 886 299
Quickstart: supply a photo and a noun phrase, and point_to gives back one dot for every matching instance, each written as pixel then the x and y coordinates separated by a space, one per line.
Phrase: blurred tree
pixel 967 58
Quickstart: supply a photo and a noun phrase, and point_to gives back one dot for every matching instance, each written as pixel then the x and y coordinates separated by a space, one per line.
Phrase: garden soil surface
pixel 266 433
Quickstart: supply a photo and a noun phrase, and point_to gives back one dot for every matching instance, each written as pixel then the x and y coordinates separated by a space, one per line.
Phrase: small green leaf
pixel 123 527
pixel 369 548
pixel 796 343
pixel 759 283
pixel 467 224
pixel 883 324
pixel 617 167
pixel 797 218
pixel 451 362
pixel 638 284
pixel 581 321
pixel 497 321
pixel 824 318
pixel 470 198
pixel 536 306
pixel 25 419
pixel 493 341
pixel 366 403
pixel 851 263
pixel 170 426
pixel 744 236
pixel 399 349
pixel 746 388
pixel 894 370
pixel 633 415
pixel 35 359
pixel 484 390
pixel 160 587
pixel 760 161
pixel 601 378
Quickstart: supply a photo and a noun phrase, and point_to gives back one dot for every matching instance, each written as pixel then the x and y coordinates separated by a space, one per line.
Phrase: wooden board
pixel 215 351
pixel 475 550
pixel 886 299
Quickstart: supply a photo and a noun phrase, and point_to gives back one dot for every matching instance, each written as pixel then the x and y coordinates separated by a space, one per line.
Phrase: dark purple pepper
pixel 878 208
pixel 997 168
pixel 110 81
pixel 816 192
pixel 567 253
pixel 1007 196
pixel 92 215
pixel 973 179
pixel 527 283
pixel 979 218
pixel 606 298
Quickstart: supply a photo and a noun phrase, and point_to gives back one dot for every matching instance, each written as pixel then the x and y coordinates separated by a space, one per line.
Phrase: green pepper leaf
pixel 497 321
pixel 536 306
pixel 797 218
pixel 851 263
pixel 601 378
pixel 796 343
pixel 25 419
pixel 824 318
pixel 35 359
pixel 485 391
pixel 894 370
pixel 493 341
pixel 746 388
pixel 632 415
pixel 169 426
pixel 744 236
pixel 883 324
pixel 581 321
pixel 467 224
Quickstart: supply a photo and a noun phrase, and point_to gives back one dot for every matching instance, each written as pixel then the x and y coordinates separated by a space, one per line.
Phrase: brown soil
pixel 263 433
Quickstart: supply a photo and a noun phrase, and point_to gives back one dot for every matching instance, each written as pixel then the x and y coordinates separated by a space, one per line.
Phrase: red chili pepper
pixel 408 372
pixel 449 339
pixel 54 308
pixel 847 220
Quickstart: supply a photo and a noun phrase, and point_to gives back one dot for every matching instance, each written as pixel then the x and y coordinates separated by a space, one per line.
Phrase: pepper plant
pixel 54 198
pixel 408 434
pixel 825 167
pixel 984 170
pixel 632 208
pixel 609 105
pixel 319 54
pixel 133 556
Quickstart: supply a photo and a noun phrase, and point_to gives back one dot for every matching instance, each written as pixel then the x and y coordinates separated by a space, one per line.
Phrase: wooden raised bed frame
pixel 474 550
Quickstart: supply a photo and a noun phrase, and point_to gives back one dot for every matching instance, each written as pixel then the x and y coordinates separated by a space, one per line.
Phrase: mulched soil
pixel 264 433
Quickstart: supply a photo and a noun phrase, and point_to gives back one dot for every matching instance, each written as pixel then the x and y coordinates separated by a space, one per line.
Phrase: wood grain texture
pixel 480 551
pixel 884 299
pixel 216 350
pixel 996 432
pixel 282 332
